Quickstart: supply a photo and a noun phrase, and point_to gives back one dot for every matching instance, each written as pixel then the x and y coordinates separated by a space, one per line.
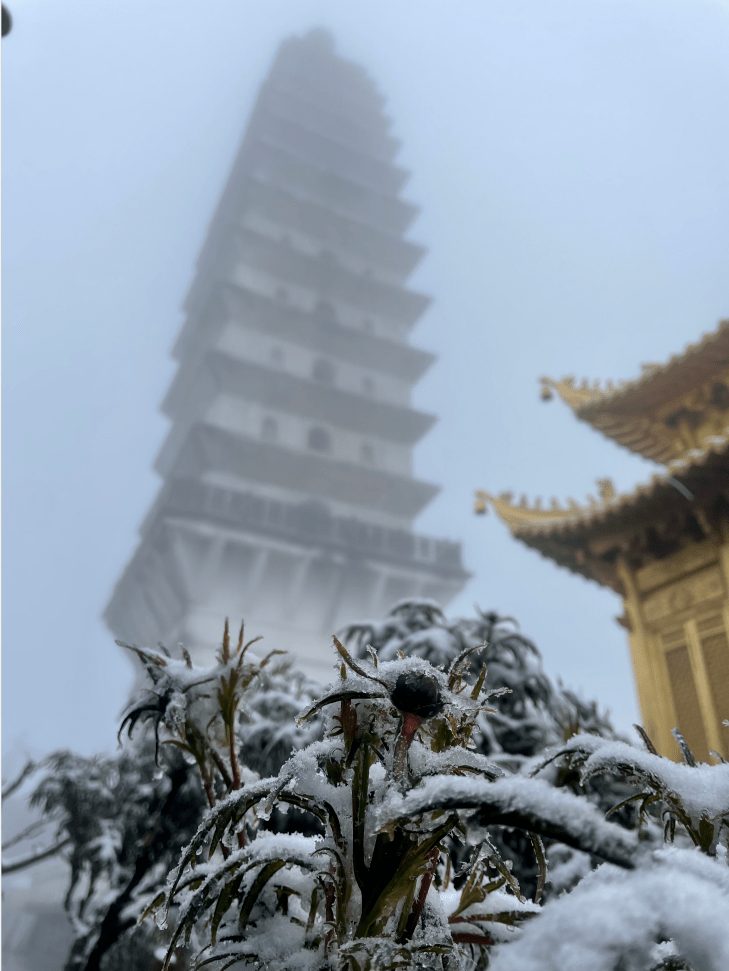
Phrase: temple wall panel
pixel 683 594
pixel 681 650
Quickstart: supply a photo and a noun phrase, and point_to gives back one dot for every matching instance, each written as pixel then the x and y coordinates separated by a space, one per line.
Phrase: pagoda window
pixel 367 453
pixel 323 371
pixel 319 439
pixel 269 429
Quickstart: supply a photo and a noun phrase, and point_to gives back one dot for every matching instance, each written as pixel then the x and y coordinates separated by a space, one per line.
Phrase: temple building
pixel 288 497
pixel 664 547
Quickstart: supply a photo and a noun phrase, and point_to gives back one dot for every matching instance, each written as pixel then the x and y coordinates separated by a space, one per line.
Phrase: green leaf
pixel 269 870
pixel 334 698
pixel 224 901
pixel 706 834
pixel 542 863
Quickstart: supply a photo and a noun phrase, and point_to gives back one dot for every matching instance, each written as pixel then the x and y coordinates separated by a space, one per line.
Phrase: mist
pixel 570 163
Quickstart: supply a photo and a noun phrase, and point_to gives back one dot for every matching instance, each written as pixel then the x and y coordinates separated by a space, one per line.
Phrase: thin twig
pixel 29 831
pixel 10 788
pixel 36 858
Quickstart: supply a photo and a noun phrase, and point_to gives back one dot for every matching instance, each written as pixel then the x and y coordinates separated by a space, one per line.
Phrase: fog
pixel 570 161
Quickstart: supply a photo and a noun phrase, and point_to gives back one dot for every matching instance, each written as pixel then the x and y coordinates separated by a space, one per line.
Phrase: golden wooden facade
pixel 663 547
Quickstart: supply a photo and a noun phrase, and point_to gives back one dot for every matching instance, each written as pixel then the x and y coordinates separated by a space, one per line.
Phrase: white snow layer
pixel 533 797
pixel 617 914
pixel 702 789
pixel 424 761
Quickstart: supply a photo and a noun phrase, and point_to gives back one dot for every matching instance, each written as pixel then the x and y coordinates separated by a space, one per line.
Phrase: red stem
pixel 329 909
pixel 481 939
pixel 410 725
pixel 425 883
pixel 220 766
pixel 234 761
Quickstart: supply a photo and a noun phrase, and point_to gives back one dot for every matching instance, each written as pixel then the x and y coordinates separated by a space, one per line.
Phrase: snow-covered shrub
pixel 430 792
pixel 533 715
pixel 121 821
pixel 268 729
pixel 672 911
pixel 670 914
pixel 396 774
pixel 693 794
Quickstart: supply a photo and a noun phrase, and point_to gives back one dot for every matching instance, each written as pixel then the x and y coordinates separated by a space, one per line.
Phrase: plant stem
pixel 425 883
pixel 35 858
pixel 410 725
pixel 234 761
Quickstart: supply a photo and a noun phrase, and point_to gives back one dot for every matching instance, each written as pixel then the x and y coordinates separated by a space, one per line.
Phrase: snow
pixel 682 896
pixel 277 943
pixel 496 902
pixel 703 790
pixel 530 798
pixel 295 848
pixel 566 867
pixel 424 761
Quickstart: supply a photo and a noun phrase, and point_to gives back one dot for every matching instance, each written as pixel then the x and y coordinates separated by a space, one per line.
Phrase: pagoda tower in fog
pixel 288 497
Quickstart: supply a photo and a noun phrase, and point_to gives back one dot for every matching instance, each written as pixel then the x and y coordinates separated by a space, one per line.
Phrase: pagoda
pixel 288 497
pixel 664 547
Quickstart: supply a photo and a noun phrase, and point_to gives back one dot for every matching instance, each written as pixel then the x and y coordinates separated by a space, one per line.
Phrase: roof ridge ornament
pixel 521 514
pixel 573 396
pixel 606 489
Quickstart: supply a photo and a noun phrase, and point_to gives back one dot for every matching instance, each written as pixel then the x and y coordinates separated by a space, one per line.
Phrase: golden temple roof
pixel 581 536
pixel 671 409
pixel 523 519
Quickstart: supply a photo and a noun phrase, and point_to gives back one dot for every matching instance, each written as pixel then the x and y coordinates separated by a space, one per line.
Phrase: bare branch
pixel 11 787
pixel 35 858
pixel 25 834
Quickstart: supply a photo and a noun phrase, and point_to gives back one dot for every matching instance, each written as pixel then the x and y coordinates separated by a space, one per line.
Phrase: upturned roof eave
pixel 526 523
pixel 696 363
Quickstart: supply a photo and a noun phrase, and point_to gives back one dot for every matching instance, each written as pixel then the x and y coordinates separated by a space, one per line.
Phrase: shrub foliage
pixel 441 804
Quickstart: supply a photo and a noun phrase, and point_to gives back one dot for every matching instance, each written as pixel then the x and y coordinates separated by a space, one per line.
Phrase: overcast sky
pixel 570 159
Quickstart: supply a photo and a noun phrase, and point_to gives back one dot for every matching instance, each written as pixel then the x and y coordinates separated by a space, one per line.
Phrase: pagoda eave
pixel 347 162
pixel 308 523
pixel 379 249
pixel 289 265
pixel 228 302
pixel 682 505
pixel 208 449
pixel 373 138
pixel 670 409
pixel 344 195
pixel 221 374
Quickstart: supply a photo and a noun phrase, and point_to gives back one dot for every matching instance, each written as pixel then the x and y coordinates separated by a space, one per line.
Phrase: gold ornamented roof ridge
pixel 670 410
pixel 580 397
pixel 523 518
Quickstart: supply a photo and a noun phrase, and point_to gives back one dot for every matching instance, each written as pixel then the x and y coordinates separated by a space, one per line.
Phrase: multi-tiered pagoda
pixel 288 497
pixel 664 547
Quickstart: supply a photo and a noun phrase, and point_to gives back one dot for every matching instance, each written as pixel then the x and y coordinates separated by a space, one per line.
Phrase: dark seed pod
pixel 417 694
